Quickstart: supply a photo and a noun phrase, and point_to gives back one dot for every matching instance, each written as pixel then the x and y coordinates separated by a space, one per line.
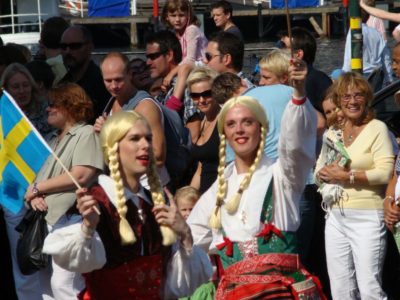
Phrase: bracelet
pixel 35 190
pixel 391 198
pixel 87 231
pixel 352 177
pixel 299 101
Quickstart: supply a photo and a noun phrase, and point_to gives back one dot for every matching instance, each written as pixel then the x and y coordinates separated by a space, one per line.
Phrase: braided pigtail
pixel 125 230
pixel 169 236
pixel 233 204
pixel 215 219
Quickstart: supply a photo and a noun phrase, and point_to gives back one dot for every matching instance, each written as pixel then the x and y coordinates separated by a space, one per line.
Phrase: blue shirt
pixel 375 53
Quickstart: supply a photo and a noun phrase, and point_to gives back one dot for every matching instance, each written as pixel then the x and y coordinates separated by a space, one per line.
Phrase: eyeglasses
pixel 204 94
pixel 209 56
pixel 356 96
pixel 155 55
pixel 72 46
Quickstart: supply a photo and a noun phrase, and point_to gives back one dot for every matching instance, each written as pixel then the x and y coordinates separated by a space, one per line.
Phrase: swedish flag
pixel 22 153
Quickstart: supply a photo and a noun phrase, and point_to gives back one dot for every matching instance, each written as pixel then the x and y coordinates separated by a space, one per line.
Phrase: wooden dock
pixel 145 13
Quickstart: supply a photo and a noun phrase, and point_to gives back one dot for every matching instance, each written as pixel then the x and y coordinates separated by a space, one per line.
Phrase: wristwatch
pixel 35 190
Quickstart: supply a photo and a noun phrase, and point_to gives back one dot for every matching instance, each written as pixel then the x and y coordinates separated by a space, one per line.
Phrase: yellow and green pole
pixel 356 36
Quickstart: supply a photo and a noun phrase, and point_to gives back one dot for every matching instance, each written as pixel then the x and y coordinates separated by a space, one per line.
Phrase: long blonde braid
pixel 215 219
pixel 169 236
pixel 125 230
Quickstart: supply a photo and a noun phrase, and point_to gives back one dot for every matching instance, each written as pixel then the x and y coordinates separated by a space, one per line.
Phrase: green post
pixel 356 36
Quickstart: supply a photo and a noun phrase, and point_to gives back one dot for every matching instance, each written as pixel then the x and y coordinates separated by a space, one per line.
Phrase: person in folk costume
pixel 138 247
pixel 253 207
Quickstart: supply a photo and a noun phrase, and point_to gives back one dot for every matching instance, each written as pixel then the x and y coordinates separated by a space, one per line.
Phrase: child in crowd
pixel 332 150
pixel 185 199
pixel 180 17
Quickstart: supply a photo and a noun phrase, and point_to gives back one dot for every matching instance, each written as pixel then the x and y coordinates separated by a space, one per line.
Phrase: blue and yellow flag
pixel 22 153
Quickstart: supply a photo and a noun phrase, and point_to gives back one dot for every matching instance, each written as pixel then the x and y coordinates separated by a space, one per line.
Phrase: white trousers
pixel 58 283
pixel 355 242
pixel 27 287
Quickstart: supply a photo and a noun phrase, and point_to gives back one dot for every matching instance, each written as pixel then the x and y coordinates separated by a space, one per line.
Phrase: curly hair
pixel 113 131
pixel 74 100
pixel 232 204
pixel 355 80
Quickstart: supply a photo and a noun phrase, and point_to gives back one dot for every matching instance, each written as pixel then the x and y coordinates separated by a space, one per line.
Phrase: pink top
pixel 193 43
pixel 377 23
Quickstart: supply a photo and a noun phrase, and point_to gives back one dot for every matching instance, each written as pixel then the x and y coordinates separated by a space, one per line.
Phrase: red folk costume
pixel 143 270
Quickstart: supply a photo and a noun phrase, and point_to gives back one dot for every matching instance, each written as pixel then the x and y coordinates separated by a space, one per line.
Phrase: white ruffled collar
pixel 108 185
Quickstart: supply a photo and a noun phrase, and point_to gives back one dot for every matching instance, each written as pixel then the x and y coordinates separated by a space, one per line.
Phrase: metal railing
pixel 15 19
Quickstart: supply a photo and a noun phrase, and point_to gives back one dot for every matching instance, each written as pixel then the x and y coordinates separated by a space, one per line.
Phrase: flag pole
pixel 45 144
pixel 289 27
pixel 71 177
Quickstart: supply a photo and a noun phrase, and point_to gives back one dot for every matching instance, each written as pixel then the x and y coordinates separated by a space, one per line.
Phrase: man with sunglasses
pixel 76 48
pixel 225 53
pixel 164 53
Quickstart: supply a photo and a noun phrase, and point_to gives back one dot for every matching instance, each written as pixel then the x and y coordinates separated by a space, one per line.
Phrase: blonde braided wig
pixel 113 131
pixel 232 205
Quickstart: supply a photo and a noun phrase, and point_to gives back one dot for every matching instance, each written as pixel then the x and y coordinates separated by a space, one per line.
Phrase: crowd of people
pixel 190 173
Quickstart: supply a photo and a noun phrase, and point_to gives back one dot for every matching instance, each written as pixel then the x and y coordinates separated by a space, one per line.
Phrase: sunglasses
pixel 209 56
pixel 155 55
pixel 204 94
pixel 72 46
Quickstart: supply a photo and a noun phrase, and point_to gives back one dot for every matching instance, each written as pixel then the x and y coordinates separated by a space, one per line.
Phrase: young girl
pixel 179 16
pixel 332 150
pixel 185 199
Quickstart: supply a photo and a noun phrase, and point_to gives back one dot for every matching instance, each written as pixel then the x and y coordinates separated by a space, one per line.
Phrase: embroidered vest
pixel 132 271
pixel 269 240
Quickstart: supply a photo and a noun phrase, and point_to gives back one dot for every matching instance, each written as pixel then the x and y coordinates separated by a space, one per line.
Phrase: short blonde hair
pixel 277 61
pixel 186 193
pixel 112 132
pixel 200 74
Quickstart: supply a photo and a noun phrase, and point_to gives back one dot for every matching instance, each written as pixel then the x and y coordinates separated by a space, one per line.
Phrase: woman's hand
pixel 38 203
pixel 297 76
pixel 170 216
pixel 86 205
pixel 333 173
pixel 29 194
pixel 391 213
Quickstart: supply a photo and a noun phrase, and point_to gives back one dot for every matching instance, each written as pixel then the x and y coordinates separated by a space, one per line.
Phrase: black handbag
pixel 33 230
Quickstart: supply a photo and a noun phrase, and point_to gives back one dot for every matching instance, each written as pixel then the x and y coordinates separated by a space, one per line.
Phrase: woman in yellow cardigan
pixel 355 230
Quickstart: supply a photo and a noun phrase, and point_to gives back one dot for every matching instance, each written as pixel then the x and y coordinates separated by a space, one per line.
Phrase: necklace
pixel 204 128
pixel 243 217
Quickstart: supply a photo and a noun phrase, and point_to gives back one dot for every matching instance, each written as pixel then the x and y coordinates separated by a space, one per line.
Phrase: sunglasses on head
pixel 204 94
pixel 155 55
pixel 72 46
